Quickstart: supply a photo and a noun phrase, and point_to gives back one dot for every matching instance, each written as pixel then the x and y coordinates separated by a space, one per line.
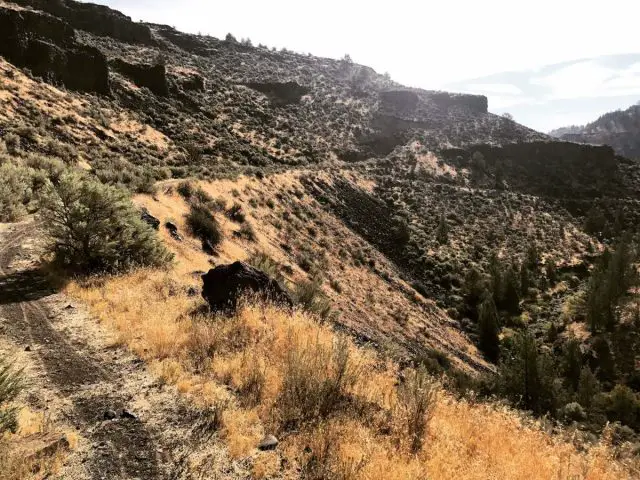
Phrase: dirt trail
pixel 88 378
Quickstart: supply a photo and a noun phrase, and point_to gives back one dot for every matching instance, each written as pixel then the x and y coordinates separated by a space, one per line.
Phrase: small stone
pixel 69 307
pixel 110 415
pixel 268 443
pixel 127 414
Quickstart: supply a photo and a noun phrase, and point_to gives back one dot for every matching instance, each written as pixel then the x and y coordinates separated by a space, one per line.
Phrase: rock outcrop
pixel 224 285
pixel 97 19
pixel 47 46
pixel 473 103
pixel 153 77
pixel 280 93
pixel 551 169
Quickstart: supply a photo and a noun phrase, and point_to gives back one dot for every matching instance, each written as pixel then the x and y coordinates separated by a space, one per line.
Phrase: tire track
pixel 125 447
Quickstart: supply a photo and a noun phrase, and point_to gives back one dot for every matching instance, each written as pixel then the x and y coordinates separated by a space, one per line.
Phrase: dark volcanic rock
pixel 47 46
pixel 225 284
pixel 404 100
pixel 187 42
pixel 475 103
pixel 192 83
pixel 554 169
pixel 268 443
pixel 149 219
pixel 173 231
pixel 280 93
pixel 97 19
pixel 154 77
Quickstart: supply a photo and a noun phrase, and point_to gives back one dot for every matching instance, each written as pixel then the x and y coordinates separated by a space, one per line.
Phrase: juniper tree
pixel 488 328
pixel 511 293
pixel 526 376
pixel 442 232
pixel 96 228
pixel 572 362
pixel 588 387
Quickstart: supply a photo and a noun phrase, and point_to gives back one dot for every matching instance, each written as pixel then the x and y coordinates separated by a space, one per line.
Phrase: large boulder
pixel 47 46
pixel 225 284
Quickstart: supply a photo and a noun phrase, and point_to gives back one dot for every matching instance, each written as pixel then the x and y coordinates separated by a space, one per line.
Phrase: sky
pixel 427 44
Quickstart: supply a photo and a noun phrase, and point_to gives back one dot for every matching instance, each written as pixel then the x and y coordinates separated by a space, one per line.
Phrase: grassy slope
pixel 217 362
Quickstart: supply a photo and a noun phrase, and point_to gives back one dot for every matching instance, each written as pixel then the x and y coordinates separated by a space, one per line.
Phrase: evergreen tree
pixel 511 295
pixel 595 221
pixel 533 257
pixel 495 272
pixel 525 280
pixel 95 228
pixel 550 270
pixel 588 387
pixel 572 363
pixel 519 378
pixel 604 361
pixel 474 286
pixel 488 327
pixel 442 232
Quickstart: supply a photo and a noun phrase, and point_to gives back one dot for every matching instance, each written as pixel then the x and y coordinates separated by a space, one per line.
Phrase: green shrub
pixel 265 263
pixel 11 384
pixel 247 232
pixel 15 191
pixel 95 228
pixel 185 189
pixel 202 224
pixel 236 214
pixel 310 296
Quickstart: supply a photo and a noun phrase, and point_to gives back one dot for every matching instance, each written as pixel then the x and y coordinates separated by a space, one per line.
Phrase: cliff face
pixel 252 107
pixel 97 19
pixel 47 46
pixel 620 130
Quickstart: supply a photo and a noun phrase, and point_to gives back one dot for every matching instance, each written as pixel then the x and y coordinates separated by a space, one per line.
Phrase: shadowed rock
pixel 280 93
pixel 225 284
pixel 149 219
pixel 153 77
pixel 97 19
pixel 47 46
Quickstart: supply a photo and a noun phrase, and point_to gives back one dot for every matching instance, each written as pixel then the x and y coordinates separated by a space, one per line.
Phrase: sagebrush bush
pixel 202 224
pixel 236 214
pixel 309 295
pixel 417 397
pixel 15 191
pixel 268 265
pixel 96 228
pixel 316 380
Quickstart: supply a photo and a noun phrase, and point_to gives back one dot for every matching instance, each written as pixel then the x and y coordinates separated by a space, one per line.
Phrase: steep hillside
pixel 620 130
pixel 418 236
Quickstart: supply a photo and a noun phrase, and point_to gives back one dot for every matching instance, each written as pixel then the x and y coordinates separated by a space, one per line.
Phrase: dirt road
pixel 88 382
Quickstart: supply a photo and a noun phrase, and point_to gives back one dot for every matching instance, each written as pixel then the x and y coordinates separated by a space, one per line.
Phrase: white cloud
pixel 590 79
pixel 426 44
pixel 496 88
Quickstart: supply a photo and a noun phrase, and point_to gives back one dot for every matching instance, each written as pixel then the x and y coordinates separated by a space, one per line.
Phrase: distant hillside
pixel 619 129
pixel 437 235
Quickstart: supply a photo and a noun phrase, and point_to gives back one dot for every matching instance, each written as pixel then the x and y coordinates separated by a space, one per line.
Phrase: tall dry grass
pixel 340 411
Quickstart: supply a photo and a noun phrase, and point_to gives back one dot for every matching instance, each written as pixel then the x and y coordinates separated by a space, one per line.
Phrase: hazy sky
pixel 428 44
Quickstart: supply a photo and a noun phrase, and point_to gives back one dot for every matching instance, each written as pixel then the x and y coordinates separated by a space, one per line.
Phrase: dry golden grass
pixel 245 363
pixel 367 302
pixel 36 450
